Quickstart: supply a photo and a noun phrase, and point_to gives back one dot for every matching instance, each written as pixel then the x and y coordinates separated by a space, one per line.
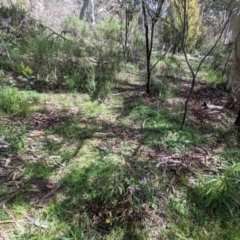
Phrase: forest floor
pixel 118 167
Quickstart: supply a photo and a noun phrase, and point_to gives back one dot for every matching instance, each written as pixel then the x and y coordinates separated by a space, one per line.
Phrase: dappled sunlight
pixel 89 150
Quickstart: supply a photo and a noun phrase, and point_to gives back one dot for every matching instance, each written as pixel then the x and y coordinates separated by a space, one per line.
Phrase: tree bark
pixel 83 12
pixel 233 84
pixel 237 122
pixel 92 16
pixel 87 11
pixel 150 18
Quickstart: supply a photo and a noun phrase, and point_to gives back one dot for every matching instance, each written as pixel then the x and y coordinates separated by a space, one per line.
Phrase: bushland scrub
pixel 85 153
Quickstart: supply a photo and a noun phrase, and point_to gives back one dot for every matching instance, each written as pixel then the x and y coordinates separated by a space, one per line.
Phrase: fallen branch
pixel 13 167
pixel 144 122
pixel 212 107
pixel 10 197
pixel 10 221
pixel 170 161
pixel 10 213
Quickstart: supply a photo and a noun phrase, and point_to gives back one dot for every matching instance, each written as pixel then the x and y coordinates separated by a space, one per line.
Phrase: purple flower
pixel 131 190
pixel 144 181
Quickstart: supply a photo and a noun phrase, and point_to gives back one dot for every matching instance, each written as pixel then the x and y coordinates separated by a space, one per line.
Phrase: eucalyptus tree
pixel 87 11
pixel 233 84
pixel 130 8
pixel 151 14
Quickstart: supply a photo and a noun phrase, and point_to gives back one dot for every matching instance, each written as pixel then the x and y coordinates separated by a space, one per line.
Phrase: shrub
pixel 75 26
pixel 14 101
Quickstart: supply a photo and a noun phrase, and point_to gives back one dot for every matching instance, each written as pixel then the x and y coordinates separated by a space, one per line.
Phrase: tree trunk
pixel 87 11
pixel 148 50
pixel 92 16
pixel 83 12
pixel 233 84
pixel 237 122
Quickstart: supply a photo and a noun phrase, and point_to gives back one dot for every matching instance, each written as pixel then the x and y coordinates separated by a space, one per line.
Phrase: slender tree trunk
pixel 150 20
pixel 148 50
pixel 237 122
pixel 83 12
pixel 92 16
pixel 233 84
pixel 87 11
pixel 126 33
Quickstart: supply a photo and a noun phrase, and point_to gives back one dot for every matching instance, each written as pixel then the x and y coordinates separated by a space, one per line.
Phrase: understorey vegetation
pixel 87 153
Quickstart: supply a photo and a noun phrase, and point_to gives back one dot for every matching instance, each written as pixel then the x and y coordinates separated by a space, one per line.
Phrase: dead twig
pixel 13 167
pixel 10 221
pixel 47 195
pixel 170 161
pixel 144 122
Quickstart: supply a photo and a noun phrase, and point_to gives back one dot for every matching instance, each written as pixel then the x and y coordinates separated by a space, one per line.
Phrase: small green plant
pixel 214 76
pixel 26 76
pixel 179 205
pixel 165 90
pixel 75 26
pixel 15 136
pixel 26 71
pixel 222 190
pixel 13 101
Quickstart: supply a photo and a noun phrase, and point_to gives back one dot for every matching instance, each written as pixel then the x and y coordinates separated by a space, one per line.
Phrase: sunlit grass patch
pixel 94 109
pixel 38 170
pixel 20 206
pixel 162 129
pixel 216 77
pixel 98 180
pixel 230 156
pixel 14 136
pixel 13 101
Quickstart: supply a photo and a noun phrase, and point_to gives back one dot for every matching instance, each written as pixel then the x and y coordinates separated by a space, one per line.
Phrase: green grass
pixel 16 102
pixel 97 171
pixel 105 158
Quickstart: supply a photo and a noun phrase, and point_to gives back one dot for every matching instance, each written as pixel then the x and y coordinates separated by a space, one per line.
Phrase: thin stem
pixel 194 75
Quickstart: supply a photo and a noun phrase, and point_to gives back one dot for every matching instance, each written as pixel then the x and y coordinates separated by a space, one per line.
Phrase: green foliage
pixel 37 171
pixel 94 77
pixel 187 220
pixel 166 91
pixel 162 130
pixel 15 136
pixel 179 205
pixel 103 189
pixel 109 30
pixel 13 14
pixel 214 76
pixel 176 17
pixel 75 26
pixel 220 57
pixel 137 48
pixel 16 102
pixel 109 166
pixel 26 70
pixel 48 62
pixel 221 191
pixel 82 80
pixel 231 156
